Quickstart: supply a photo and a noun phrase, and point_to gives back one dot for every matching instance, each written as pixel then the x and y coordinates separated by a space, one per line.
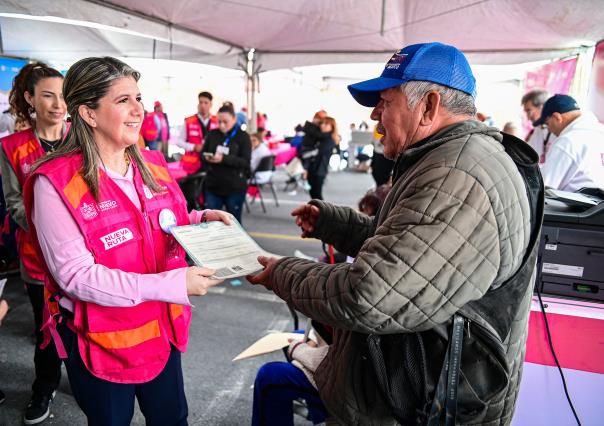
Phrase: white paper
pixel 2 283
pixel 226 248
pixel 269 343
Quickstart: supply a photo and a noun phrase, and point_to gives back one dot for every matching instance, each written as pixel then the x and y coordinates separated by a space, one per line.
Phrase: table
pixel 577 330
pixel 283 153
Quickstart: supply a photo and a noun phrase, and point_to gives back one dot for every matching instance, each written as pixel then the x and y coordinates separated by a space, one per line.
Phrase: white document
pixel 226 248
pixel 2 284
pixel 269 343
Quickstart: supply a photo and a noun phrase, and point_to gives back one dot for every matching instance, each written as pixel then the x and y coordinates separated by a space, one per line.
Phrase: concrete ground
pixel 226 321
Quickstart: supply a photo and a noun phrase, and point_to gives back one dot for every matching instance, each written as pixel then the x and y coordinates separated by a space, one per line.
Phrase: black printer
pixel 571 251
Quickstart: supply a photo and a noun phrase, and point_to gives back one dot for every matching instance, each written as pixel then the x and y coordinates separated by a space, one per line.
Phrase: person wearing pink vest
pixel 37 89
pixel 117 287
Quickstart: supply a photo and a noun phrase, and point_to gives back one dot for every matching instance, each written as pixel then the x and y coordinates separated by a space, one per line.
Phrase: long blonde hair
pixel 86 82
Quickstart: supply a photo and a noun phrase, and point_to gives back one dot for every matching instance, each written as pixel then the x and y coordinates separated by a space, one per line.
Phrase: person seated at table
pixel 227 153
pixel 259 151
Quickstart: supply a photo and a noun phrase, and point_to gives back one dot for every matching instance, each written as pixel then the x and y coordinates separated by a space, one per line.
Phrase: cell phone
pixel 208 154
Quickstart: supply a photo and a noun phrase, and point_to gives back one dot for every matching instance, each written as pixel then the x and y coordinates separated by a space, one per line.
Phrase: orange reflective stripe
pixel 126 338
pixel 24 150
pixel 53 307
pixel 75 190
pixel 176 310
pixel 189 158
pixel 159 172
pixel 28 248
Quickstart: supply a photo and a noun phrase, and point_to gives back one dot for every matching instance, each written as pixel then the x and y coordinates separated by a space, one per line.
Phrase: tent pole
pixel 251 74
pixel 383 18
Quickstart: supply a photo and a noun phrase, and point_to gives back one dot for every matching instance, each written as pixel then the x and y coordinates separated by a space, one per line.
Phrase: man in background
pixel 576 160
pixel 539 138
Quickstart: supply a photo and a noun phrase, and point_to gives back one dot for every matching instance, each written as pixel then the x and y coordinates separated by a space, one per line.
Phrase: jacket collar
pixel 416 151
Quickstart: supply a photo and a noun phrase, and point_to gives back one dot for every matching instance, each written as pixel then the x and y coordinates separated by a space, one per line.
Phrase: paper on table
pixel 269 343
pixel 226 248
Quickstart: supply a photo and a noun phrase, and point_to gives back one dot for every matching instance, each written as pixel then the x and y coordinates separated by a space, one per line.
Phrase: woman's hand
pixel 216 158
pixel 199 281
pixel 306 218
pixel 219 215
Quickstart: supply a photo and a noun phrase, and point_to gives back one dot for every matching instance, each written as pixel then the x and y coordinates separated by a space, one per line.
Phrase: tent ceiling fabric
pixel 309 32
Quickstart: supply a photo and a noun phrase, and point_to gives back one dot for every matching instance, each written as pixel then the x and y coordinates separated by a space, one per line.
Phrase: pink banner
pixel 554 77
pixel 595 97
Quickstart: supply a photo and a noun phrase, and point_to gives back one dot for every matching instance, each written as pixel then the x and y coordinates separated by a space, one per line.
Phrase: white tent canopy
pixel 295 33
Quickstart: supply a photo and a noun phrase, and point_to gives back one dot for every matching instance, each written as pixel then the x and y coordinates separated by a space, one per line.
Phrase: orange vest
pixel 120 344
pixel 194 134
pixel 22 150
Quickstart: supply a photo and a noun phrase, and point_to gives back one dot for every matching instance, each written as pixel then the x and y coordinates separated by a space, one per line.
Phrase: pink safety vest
pixel 121 345
pixel 194 134
pixel 22 150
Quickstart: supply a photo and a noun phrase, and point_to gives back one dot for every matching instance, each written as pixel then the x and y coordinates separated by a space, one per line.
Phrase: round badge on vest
pixel 167 220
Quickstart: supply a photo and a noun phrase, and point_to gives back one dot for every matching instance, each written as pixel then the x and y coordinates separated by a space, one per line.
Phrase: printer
pixel 571 251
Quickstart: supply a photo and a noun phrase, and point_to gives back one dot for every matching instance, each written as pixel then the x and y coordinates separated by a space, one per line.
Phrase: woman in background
pixel 37 101
pixel 318 166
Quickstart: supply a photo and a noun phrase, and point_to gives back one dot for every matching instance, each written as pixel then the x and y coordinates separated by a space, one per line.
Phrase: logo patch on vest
pixel 107 205
pixel 88 211
pixel 116 238
pixel 25 168
pixel 147 192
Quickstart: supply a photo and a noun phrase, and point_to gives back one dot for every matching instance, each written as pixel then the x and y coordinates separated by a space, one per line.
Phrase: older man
pixel 539 138
pixel 577 158
pixel 450 243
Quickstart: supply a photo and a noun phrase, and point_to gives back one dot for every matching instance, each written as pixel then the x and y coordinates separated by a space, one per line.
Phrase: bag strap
pixel 446 390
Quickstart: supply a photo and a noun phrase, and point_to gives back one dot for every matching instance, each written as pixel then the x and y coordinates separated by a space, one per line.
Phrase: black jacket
pixel 232 173
pixel 319 142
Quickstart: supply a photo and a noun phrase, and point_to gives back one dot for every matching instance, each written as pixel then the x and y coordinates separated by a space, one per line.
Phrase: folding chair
pixel 257 182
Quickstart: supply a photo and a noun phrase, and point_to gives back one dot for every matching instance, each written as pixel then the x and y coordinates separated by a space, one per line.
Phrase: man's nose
pixel 376 113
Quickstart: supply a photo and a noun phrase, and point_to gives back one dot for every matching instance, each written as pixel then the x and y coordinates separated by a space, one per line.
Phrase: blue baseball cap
pixel 435 62
pixel 557 103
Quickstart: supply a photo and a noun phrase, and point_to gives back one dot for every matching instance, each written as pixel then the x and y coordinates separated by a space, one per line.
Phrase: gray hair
pixel 536 97
pixel 454 101
pixel 86 82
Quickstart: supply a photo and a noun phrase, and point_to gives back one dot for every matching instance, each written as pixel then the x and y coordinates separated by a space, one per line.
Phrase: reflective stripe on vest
pixel 22 150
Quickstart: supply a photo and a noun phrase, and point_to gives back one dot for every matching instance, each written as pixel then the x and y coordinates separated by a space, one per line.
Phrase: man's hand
pixel 199 281
pixel 263 277
pixel 306 218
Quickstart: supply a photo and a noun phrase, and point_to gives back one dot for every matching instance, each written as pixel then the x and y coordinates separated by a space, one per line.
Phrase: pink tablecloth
pixel 283 153
pixel 176 170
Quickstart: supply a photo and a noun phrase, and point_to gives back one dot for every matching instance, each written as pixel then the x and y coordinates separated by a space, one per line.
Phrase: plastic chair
pixel 257 182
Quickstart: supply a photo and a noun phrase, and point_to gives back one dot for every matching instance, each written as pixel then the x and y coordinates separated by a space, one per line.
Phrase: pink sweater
pixel 73 267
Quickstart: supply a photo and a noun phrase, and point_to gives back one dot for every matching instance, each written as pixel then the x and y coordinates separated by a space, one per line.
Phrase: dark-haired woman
pixel 118 281
pixel 227 153
pixel 36 99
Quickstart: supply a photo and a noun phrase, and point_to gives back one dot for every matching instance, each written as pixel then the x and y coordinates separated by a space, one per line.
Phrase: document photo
pixel 226 248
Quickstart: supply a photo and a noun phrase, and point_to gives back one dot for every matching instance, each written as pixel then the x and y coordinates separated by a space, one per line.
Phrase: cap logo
pixel 396 60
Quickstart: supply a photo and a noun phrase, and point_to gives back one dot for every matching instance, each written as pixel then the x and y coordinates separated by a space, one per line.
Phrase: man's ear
pixel 430 108
pixel 87 114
